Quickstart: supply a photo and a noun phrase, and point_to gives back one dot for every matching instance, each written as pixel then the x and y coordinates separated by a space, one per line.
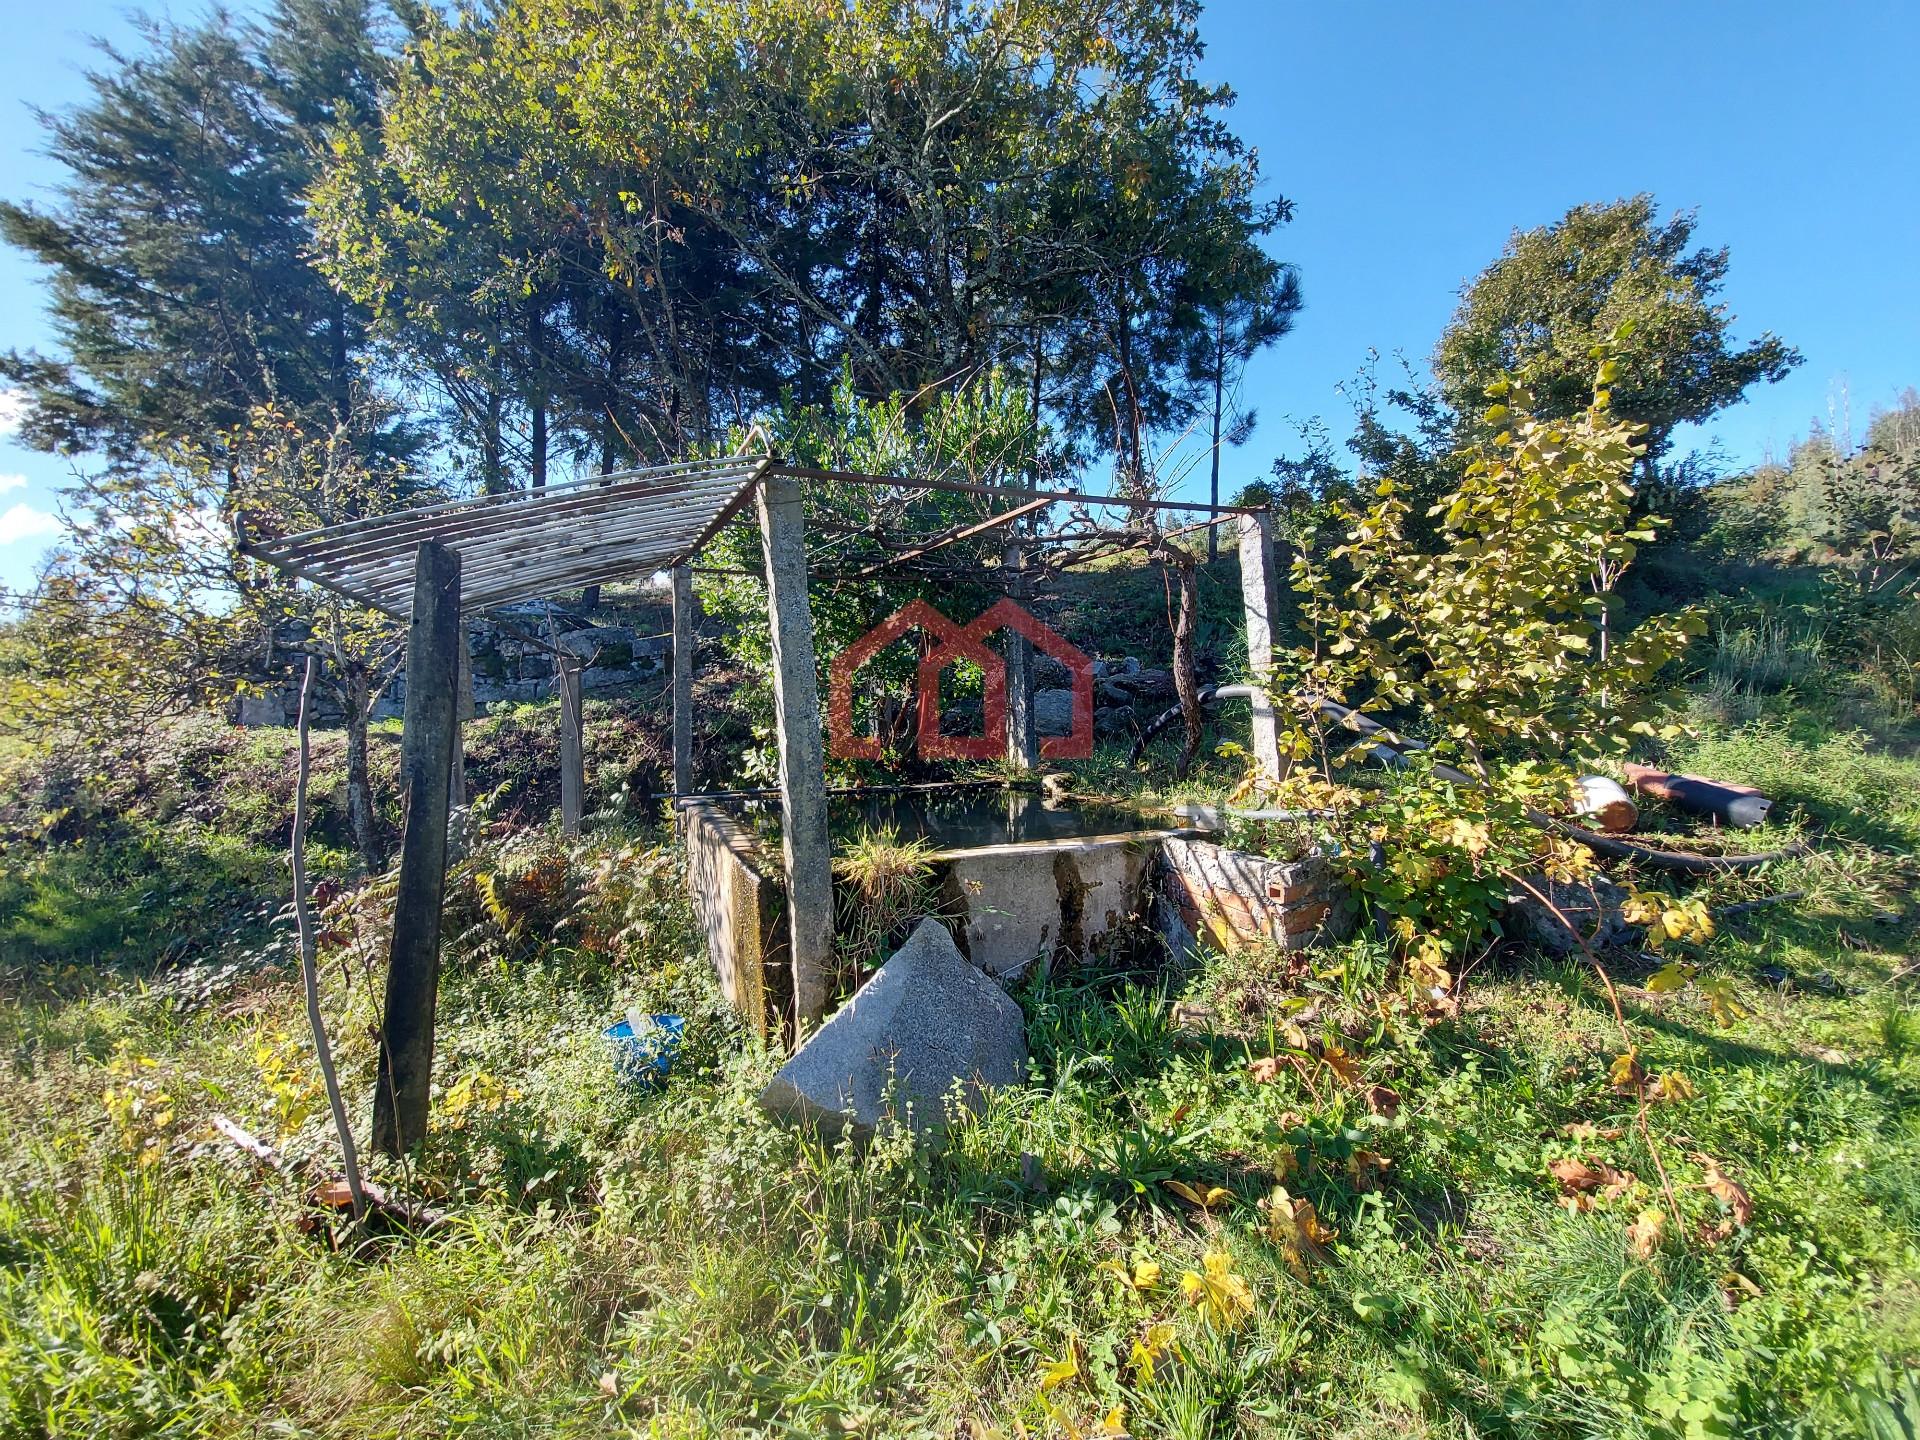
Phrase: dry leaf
pixel 1295 1227
pixel 1207 1198
pixel 1343 1064
pixel 1265 1070
pixel 1579 1177
pixel 1366 1170
pixel 609 1384
pixel 1645 1232
pixel 1730 1194
pixel 1383 1100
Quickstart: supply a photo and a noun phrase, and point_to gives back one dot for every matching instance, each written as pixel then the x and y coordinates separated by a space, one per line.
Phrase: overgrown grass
pixel 672 1264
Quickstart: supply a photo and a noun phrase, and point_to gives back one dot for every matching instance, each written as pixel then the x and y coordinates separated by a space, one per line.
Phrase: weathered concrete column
pixel 430 725
pixel 1259 597
pixel 463 712
pixel 1023 747
pixel 803 779
pixel 573 754
pixel 683 643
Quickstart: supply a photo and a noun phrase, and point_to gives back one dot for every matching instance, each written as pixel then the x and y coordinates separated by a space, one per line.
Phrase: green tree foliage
pixel 150 609
pixel 1858 502
pixel 178 249
pixel 981 433
pixel 1504 639
pixel 1559 290
pixel 726 201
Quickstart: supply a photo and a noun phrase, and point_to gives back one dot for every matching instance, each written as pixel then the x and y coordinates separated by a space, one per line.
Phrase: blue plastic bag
pixel 645 1059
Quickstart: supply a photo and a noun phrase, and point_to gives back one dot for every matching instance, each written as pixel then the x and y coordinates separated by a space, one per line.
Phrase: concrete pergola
pixel 433 565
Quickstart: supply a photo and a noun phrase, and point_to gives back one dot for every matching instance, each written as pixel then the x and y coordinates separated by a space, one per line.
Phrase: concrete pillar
pixel 1023 746
pixel 803 779
pixel 1260 597
pixel 430 724
pixel 683 643
pixel 573 755
pixel 463 712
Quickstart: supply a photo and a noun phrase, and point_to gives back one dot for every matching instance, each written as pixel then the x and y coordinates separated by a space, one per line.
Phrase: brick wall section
pixel 1233 900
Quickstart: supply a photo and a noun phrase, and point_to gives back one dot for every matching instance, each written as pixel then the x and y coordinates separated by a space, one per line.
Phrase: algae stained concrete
pixel 1013 905
pixel 742 908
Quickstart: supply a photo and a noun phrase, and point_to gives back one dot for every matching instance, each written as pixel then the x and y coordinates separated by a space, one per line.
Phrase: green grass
pixel 673 1265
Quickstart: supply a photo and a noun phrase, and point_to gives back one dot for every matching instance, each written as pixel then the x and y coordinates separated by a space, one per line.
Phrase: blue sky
pixel 1413 137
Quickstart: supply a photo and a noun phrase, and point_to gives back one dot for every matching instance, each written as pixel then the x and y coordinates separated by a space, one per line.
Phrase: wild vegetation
pixel 1433 1179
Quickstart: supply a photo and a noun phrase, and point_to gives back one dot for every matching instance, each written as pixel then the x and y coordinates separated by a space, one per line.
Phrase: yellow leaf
pixel 1223 1297
pixel 1644 1234
pixel 1149 1350
pixel 1059 1372
pixel 1673 1085
pixel 1114 1423
pixel 1625 1073
pixel 1674 975
pixel 1207 1199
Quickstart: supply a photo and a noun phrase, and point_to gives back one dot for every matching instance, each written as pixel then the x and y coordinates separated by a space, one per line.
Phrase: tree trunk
pixel 367 839
pixel 1185 672
pixel 1219 385
pixel 493 478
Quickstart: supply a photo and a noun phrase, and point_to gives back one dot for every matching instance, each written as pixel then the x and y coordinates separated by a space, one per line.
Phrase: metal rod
pixel 962 487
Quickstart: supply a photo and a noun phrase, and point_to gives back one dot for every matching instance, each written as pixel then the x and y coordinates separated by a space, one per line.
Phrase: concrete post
pixel 1023 746
pixel 683 643
pixel 430 724
pixel 463 712
pixel 803 780
pixel 1259 597
pixel 573 758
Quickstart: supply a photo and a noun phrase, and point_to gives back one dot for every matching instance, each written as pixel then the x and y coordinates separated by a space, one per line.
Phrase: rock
pixel 602 677
pixel 1110 669
pixel 1114 722
pixel 1593 906
pixel 1053 712
pixel 895 1052
pixel 1050 673
pixel 258 710
pixel 1148 685
pixel 591 641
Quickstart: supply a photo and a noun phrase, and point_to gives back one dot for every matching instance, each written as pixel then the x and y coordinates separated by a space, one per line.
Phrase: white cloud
pixel 23 522
pixel 13 408
pixel 12 482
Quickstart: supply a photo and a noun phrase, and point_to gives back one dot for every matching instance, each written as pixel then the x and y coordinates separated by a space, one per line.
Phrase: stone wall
pixel 506 668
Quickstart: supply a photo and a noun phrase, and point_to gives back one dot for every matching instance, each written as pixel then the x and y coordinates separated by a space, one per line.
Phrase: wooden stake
pixel 309 956
pixel 683 643
pixel 573 760
pixel 803 783
pixel 405 1075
